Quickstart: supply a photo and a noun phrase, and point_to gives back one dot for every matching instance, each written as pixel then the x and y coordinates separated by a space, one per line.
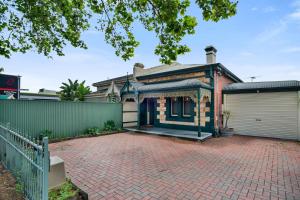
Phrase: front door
pixel 150 111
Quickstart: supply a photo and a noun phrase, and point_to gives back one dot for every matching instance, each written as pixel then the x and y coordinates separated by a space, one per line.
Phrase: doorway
pixel 150 111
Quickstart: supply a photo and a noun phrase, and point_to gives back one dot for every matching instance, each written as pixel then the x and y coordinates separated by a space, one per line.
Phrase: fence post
pixel 45 168
pixel 6 145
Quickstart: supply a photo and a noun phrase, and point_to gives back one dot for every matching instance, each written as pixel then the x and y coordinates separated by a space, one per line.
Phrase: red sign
pixel 9 85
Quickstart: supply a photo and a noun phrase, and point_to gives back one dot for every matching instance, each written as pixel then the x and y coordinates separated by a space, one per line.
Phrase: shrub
pixel 45 133
pixel 65 192
pixel 92 131
pixel 110 126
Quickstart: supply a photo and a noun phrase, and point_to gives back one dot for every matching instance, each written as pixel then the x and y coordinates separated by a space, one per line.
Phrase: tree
pixel 48 25
pixel 226 114
pixel 73 91
pixel 1 70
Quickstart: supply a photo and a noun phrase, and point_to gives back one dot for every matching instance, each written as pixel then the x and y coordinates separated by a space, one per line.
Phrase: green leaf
pixel 47 26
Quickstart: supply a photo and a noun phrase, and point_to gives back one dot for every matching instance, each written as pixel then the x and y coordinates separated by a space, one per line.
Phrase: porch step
pixel 192 135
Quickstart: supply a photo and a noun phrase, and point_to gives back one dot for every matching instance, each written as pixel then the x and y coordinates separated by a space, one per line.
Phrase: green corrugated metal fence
pixel 63 119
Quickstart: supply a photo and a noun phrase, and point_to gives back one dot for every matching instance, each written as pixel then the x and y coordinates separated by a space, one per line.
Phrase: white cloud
pixel 269 9
pixel 282 25
pixel 273 31
pixel 291 50
pixel 295 15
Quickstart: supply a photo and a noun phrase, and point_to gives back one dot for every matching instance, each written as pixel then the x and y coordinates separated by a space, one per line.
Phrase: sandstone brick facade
pixel 204 112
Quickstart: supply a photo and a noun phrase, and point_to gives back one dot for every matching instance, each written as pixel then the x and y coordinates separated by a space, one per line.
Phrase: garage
pixel 265 109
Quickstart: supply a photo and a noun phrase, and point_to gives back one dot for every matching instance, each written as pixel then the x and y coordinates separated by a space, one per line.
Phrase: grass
pixel 64 192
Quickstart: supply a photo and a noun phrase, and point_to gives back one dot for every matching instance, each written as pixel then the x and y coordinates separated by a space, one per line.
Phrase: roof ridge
pixel 268 81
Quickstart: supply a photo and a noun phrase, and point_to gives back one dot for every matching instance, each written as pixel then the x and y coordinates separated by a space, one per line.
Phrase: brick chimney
pixel 211 57
pixel 137 69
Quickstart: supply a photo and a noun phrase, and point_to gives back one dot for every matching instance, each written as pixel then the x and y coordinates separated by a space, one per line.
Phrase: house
pixel 193 96
pixel 107 89
pixel 43 94
pixel 265 109
pixel 178 96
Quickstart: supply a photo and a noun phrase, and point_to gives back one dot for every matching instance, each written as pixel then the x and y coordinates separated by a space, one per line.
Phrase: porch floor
pixel 172 132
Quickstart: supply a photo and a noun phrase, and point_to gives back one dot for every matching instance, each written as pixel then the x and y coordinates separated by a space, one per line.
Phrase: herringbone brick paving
pixel 137 166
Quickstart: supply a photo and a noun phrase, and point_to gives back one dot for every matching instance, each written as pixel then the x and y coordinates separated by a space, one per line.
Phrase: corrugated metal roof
pixel 268 85
pixel 136 84
pixel 167 68
pixel 121 79
pixel 189 83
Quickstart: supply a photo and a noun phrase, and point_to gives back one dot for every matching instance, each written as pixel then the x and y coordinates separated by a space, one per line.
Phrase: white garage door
pixel 264 114
pixel 129 114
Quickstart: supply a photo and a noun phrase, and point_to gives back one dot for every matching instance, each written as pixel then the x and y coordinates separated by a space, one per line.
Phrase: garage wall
pixel 129 114
pixel 274 114
pixel 299 115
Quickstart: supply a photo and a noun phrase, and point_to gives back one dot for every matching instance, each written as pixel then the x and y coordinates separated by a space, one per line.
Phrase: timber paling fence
pixel 61 118
pixel 28 162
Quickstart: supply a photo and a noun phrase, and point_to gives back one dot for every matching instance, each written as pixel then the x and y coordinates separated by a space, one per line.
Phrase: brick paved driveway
pixel 136 166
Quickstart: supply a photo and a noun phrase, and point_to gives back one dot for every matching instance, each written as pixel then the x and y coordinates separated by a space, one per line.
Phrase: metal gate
pixel 27 160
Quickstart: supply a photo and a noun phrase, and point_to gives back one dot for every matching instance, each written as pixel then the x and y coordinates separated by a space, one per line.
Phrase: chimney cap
pixel 210 48
pixel 140 65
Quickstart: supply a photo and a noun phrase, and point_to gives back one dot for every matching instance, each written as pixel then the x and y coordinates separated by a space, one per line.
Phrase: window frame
pixel 183 110
pixel 171 106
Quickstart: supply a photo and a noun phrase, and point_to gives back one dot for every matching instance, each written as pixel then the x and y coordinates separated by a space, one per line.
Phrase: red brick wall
pixel 220 82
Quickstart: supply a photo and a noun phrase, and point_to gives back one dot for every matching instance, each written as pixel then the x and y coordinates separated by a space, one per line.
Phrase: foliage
pixel 109 126
pixel 45 133
pixel 47 26
pixel 226 114
pixel 92 131
pixel 19 188
pixel 65 192
pixel 74 91
pixel 19 184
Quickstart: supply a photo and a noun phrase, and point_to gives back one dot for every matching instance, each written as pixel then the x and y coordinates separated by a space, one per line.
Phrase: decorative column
pixel 138 109
pixel 199 121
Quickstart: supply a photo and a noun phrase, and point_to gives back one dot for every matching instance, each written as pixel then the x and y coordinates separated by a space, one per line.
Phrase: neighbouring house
pixel 108 89
pixel 266 109
pixel 180 96
pixel 43 94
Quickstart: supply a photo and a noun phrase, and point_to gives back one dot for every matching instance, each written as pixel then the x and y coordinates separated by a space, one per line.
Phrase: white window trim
pixel 184 115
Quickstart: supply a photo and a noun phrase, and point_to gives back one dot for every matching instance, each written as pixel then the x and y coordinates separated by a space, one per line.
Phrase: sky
pixel 262 40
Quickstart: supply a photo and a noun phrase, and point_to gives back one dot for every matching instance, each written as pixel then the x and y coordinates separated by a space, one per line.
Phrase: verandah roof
pixel 184 84
pixel 186 87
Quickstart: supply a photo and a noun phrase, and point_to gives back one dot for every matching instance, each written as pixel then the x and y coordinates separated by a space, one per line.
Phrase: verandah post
pixel 138 109
pixel 199 125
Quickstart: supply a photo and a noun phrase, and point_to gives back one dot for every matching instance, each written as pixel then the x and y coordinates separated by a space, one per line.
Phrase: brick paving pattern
pixel 138 166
